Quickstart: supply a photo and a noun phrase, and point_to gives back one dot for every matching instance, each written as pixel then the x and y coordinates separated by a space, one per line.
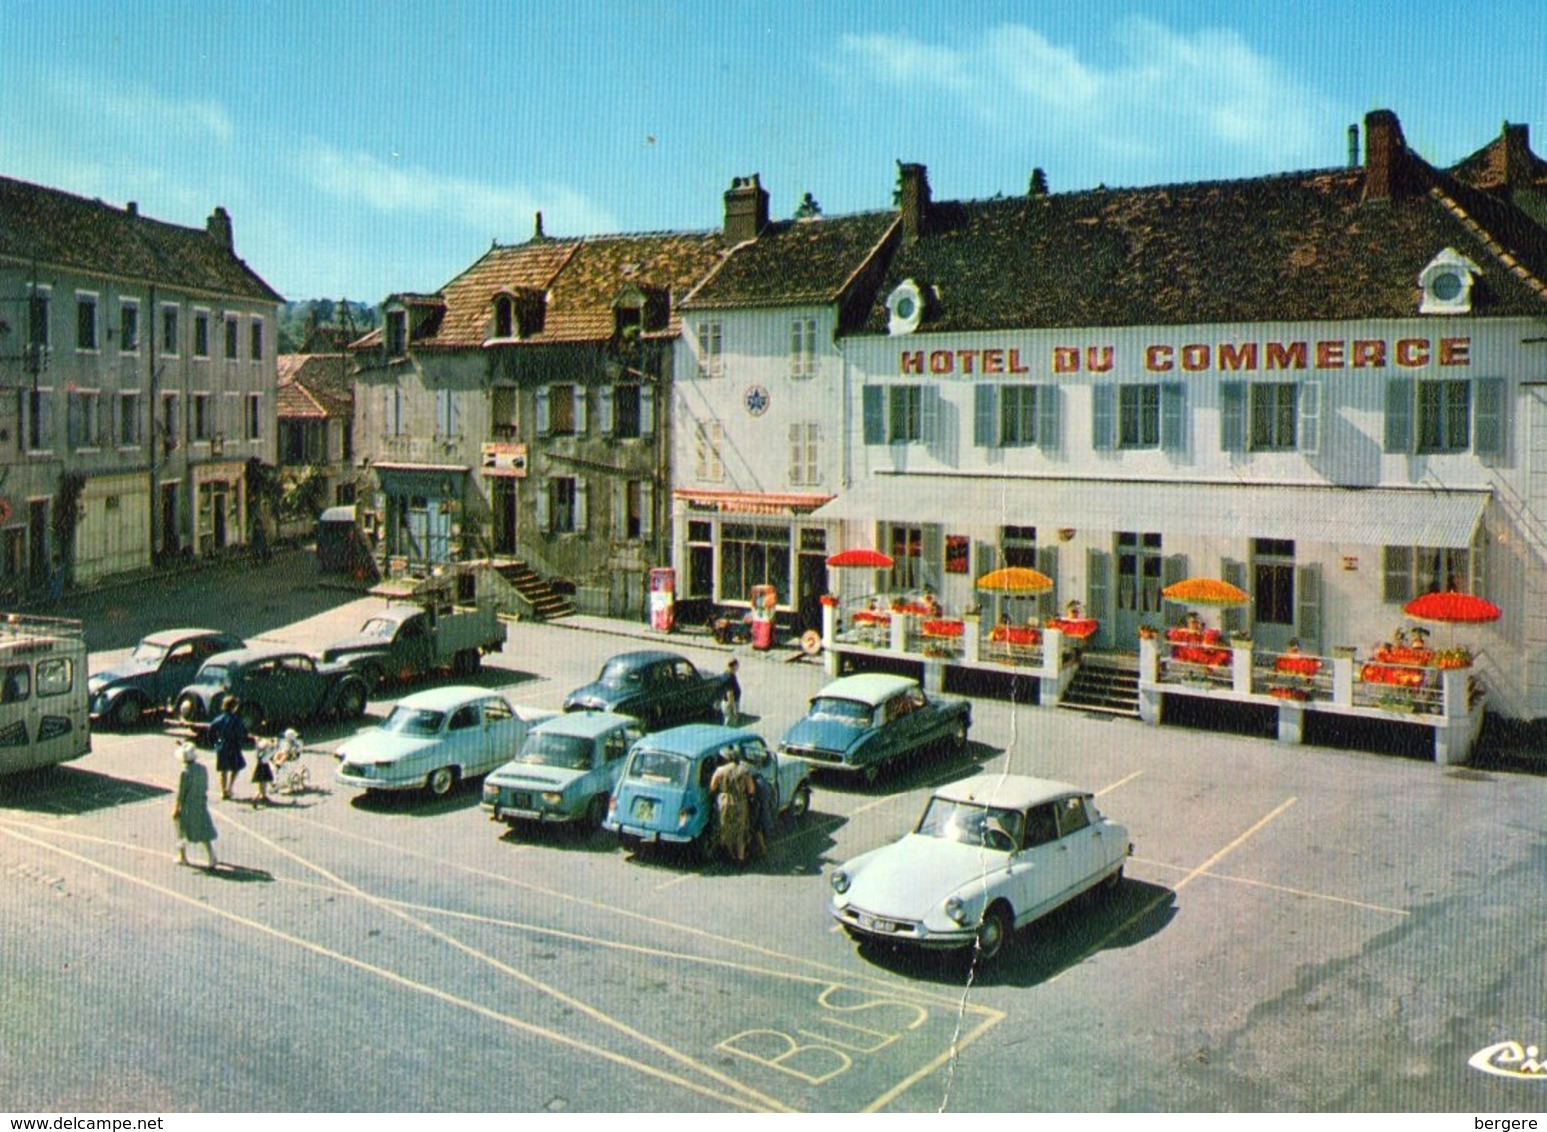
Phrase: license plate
pixel 644 809
pixel 872 924
pixel 521 801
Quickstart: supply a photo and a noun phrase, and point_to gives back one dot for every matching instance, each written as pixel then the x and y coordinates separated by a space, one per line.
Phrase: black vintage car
pixel 274 685
pixel 657 688
pixel 160 666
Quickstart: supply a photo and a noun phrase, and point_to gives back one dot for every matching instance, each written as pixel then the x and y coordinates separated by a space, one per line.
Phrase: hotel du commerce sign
pixel 1269 355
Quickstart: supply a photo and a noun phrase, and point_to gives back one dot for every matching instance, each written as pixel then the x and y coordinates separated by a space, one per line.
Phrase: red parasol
pixel 862 557
pixel 1452 608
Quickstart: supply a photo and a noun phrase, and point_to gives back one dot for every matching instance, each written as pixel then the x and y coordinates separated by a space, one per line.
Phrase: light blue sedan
pixel 565 771
pixel 434 739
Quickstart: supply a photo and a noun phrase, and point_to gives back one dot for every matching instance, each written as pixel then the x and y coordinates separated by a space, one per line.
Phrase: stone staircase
pixel 535 592
pixel 1105 682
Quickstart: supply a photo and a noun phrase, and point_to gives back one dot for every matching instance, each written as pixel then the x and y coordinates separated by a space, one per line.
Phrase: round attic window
pixel 906 306
pixel 1445 286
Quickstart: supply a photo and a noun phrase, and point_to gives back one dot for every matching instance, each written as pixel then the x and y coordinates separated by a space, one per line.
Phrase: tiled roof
pixel 1302 246
pixel 315 385
pixel 580 305
pixel 55 228
pixel 467 297
pixel 796 262
pixel 1505 162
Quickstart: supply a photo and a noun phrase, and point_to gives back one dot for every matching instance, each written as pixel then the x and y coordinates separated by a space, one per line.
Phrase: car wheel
pixel 596 811
pixel 127 711
pixel 959 738
pixel 1112 882
pixel 441 781
pixel 993 933
pixel 351 701
pixel 251 715
pixel 872 773
pixel 628 843
pixel 188 709
pixel 373 676
pixel 800 802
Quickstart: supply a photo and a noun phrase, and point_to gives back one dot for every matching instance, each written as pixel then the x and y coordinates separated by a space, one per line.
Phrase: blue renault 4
pixel 663 795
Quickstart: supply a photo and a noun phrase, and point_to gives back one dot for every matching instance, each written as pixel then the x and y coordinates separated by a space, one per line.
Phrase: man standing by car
pixel 732 707
pixel 227 733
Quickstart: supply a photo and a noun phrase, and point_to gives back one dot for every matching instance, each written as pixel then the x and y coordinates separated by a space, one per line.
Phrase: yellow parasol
pixel 1015 580
pixel 1205 591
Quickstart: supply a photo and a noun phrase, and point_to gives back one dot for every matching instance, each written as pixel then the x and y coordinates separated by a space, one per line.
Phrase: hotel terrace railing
pixel 1400 687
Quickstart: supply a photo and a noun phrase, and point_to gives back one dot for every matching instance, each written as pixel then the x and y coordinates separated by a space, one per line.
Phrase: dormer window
pixel 906 308
pixel 504 317
pixel 1446 284
pixel 397 333
pixel 638 308
pixel 515 313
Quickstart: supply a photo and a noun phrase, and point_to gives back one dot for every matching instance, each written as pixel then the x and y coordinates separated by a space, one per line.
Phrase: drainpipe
pixel 150 420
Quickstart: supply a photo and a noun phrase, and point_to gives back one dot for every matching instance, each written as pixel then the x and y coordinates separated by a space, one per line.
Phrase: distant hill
pixel 296 319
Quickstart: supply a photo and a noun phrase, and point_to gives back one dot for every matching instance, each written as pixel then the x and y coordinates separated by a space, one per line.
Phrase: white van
pixel 44 706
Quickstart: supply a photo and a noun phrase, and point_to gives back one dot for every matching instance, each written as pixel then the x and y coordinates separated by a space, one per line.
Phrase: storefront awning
pixel 752 502
pixel 1334 515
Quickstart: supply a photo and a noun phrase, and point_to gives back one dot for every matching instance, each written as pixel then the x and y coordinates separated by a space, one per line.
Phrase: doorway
pixel 1138 582
pixel 1273 593
pixel 503 504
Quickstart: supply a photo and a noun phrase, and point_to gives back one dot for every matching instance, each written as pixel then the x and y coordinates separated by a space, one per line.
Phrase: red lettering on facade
pixel 1238 355
pixel 1455 351
pixel 1098 359
pixel 1195 357
pixel 941 361
pixel 967 358
pixel 1329 355
pixel 1157 359
pixel 1412 352
pixel 993 361
pixel 1066 359
pixel 1286 355
pixel 1015 363
pixel 913 361
pixel 1369 352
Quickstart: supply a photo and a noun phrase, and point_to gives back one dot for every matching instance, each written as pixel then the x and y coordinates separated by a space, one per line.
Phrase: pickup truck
pixel 410 639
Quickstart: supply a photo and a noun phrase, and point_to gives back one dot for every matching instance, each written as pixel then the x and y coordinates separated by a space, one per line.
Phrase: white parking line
pixel 1307 893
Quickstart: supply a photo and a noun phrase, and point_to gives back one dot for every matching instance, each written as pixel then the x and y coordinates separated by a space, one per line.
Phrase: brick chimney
pixel 913 198
pixel 1517 155
pixel 746 209
pixel 219 228
pixel 1385 151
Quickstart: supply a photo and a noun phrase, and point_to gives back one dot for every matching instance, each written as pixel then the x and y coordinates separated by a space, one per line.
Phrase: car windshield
pixel 842 711
pixel 147 653
pixel 971 824
pixel 658 766
pixel 618 673
pixel 413 721
pixel 568 751
pixel 213 674
pixel 379 627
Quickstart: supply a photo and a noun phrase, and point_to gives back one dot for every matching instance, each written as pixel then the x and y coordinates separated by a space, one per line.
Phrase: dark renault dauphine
pixel 657 688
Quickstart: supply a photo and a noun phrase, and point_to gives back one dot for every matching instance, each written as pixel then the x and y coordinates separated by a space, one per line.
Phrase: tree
pixel 1038 186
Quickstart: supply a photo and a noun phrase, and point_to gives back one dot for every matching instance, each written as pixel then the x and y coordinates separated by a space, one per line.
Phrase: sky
pixel 363 149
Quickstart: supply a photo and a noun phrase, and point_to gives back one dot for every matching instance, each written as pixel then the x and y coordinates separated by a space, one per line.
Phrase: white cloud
pixel 142 111
pixel 392 187
pixel 1163 100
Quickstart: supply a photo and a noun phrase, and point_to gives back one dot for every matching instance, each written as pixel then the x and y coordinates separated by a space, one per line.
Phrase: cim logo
pixel 1510 1059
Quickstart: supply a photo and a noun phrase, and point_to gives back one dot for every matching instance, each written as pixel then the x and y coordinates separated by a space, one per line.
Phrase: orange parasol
pixel 1205 591
pixel 1017 580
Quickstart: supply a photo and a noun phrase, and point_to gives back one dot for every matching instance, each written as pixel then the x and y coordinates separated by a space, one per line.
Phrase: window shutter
pixel 646 510
pixel 544 417
pixel 700 451
pixel 1049 422
pixel 1173 416
pixel 1102 418
pixel 1098 575
pixel 1308 597
pixel 1399 415
pixel 605 397
pixel 1047 562
pixel 985 418
pixel 1233 617
pixel 929 414
pixel 647 410
pixel 620 509
pixel 1173 568
pixel 581 424
pixel 797 451
pixel 544 494
pixel 1396 563
pixel 1310 418
pixel 1232 417
pixel 1489 437
pixel 875 414
pixel 580 505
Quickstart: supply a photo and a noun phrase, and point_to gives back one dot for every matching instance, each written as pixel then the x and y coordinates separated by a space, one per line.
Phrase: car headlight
pixel 840 881
pixel 552 797
pixel 954 910
pixel 685 815
pixel 490 792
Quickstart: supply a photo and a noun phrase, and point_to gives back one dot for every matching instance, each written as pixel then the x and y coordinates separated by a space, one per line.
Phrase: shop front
pixel 421 510
pixel 220 506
